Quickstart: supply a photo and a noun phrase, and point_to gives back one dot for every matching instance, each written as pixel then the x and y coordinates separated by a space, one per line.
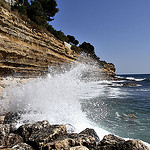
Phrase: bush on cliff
pixel 36 13
pixel 49 8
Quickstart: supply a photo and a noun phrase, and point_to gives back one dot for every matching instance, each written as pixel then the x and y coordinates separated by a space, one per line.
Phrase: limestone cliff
pixel 25 51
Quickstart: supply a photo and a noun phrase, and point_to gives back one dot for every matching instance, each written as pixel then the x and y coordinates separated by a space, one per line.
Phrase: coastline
pixel 82 141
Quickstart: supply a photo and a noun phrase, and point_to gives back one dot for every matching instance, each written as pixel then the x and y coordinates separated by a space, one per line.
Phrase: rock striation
pixel 26 51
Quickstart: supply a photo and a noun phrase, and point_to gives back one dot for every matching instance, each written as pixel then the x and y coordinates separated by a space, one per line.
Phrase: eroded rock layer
pixel 25 51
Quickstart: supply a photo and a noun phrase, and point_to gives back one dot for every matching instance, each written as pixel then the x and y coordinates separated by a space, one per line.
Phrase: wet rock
pixel 11 117
pixel 5 129
pixel 91 132
pixel 59 144
pixel 79 148
pixel 111 142
pixel 40 133
pixel 129 84
pixel 71 140
pixel 22 146
pixel 133 145
pixel 83 140
pixel 132 116
pixel 26 130
pixel 11 140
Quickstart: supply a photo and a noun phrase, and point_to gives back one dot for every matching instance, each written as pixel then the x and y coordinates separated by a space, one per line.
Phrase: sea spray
pixel 56 97
pixel 71 95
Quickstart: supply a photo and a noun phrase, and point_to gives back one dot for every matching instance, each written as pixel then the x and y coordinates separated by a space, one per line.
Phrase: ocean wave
pixel 58 98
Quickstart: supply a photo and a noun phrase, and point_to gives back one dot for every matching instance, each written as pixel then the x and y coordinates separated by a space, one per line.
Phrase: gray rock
pixel 91 132
pixel 11 117
pixel 111 142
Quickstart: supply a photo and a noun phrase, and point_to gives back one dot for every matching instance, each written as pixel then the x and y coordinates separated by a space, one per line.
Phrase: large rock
pixel 40 133
pixel 133 145
pixel 91 132
pixel 26 130
pixel 10 140
pixel 11 117
pixel 5 129
pixel 71 140
pixel 22 146
pixel 111 142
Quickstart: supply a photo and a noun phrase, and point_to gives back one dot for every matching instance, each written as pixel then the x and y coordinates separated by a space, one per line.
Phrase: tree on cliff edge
pixel 49 7
pixel 36 13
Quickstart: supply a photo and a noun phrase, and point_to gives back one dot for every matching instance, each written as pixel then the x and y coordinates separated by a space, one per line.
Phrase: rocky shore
pixel 43 136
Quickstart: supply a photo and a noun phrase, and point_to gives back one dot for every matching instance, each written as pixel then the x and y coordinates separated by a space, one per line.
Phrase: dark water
pixel 111 109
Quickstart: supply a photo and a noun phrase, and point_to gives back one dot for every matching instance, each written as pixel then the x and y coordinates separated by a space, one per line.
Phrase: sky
pixel 118 29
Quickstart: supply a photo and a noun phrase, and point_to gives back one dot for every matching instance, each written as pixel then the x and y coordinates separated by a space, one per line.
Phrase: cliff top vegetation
pixel 39 14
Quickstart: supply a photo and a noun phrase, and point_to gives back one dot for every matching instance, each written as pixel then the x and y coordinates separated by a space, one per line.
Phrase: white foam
pixel 57 98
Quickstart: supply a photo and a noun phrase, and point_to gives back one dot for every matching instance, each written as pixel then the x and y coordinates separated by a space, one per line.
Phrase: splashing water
pixel 63 96
pixel 56 97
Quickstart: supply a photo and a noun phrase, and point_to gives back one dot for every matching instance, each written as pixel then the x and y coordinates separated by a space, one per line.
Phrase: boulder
pixel 11 117
pixel 26 130
pixel 91 132
pixel 11 140
pixel 40 133
pixel 111 142
pixel 5 129
pixel 71 140
pixel 83 140
pixel 22 146
pixel 133 145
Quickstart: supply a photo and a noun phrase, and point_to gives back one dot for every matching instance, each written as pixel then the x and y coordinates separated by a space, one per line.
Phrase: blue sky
pixel 118 29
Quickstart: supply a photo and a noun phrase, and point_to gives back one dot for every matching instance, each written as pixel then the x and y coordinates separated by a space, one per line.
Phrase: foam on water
pixel 58 97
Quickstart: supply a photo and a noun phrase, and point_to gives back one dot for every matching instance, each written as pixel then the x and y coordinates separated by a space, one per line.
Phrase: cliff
pixel 25 51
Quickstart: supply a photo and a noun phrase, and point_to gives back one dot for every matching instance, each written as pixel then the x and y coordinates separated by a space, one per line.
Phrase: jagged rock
pixel 40 133
pixel 91 132
pixel 22 146
pixel 11 140
pixel 83 139
pixel 26 130
pixel 79 148
pixel 133 145
pixel 71 140
pixel 11 117
pixel 111 142
pixel 59 144
pixel 6 129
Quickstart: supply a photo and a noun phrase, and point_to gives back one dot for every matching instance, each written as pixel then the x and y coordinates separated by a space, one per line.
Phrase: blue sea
pixel 124 100
pixel 75 97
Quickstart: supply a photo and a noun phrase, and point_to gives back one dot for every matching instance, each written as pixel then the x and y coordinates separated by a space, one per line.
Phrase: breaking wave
pixel 59 97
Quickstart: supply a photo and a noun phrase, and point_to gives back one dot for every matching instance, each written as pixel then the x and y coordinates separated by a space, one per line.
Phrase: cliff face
pixel 25 51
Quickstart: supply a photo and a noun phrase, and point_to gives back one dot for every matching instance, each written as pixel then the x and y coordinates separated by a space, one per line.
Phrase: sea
pixel 74 98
